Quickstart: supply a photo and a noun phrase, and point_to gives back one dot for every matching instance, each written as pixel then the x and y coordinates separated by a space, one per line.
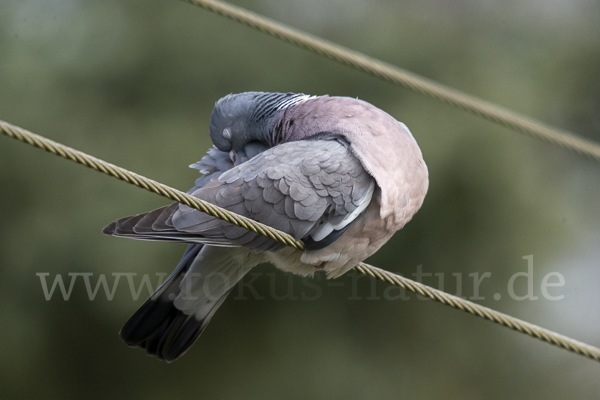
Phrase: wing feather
pixel 311 189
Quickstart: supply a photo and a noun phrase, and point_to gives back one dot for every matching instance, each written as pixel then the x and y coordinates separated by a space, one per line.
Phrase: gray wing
pixel 311 189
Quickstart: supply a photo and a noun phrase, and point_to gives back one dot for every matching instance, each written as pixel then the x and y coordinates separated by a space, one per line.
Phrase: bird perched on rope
pixel 335 172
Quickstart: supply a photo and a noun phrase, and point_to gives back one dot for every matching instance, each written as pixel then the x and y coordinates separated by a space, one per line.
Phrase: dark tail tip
pixel 162 330
pixel 158 326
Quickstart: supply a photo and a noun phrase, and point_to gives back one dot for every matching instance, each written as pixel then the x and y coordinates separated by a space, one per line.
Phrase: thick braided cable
pixel 69 153
pixel 459 303
pixel 402 77
pixel 152 186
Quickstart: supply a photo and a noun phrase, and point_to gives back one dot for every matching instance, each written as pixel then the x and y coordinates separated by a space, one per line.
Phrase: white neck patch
pixel 294 100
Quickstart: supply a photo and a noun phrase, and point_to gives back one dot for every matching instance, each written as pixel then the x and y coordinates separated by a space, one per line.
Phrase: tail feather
pixel 156 317
pixel 177 335
pixel 171 320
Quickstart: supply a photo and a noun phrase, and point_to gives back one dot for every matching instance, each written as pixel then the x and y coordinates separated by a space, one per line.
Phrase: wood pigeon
pixel 336 172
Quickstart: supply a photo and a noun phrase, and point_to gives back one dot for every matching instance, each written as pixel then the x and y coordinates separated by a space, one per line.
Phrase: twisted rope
pixel 404 78
pixel 97 164
pixel 497 317
pixel 150 185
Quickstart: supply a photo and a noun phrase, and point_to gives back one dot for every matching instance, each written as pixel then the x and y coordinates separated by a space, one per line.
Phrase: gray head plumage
pixel 240 119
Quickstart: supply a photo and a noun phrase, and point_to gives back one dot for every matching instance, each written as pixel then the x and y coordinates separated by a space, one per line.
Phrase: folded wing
pixel 311 189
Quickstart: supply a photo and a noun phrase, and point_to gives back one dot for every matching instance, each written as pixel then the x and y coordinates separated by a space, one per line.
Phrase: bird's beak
pixel 238 158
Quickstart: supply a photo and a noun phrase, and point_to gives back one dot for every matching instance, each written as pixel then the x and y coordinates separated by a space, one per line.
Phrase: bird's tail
pixel 169 322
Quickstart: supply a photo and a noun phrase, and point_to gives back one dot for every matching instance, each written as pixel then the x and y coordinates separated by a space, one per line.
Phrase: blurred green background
pixel 134 83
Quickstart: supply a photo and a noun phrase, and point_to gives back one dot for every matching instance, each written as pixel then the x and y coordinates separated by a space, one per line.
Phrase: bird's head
pixel 242 124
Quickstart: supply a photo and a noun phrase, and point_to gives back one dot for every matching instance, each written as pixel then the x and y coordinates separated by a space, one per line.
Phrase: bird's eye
pixel 227 133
